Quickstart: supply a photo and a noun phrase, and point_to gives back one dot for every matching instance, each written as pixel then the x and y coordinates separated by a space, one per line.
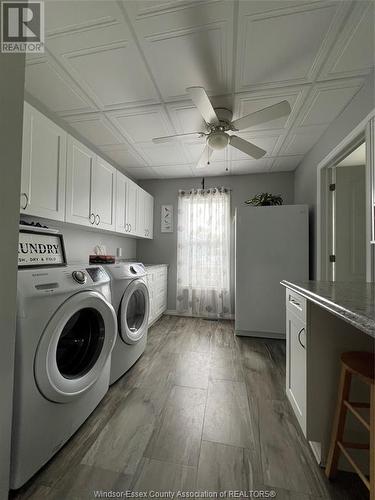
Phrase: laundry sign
pixel 40 249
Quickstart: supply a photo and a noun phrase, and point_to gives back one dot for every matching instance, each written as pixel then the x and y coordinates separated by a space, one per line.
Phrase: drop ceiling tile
pixel 193 42
pixel 62 17
pixel 286 164
pixel 327 100
pixel 123 156
pixel 353 52
pixel 171 172
pixel 249 102
pixel 122 78
pixel 95 128
pixel 171 153
pixel 142 173
pixel 214 169
pixel 250 166
pixel 186 118
pixel 142 124
pixel 300 141
pixel 286 45
pixel 47 83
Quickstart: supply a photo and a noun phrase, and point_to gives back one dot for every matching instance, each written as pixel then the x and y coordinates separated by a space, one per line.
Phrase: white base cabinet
pixel 157 278
pixel 43 166
pixel 296 359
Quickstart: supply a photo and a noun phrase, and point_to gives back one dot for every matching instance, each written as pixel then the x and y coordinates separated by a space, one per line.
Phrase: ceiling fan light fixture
pixel 218 140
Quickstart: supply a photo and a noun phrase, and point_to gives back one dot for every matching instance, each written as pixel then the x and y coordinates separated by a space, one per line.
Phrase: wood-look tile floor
pixel 202 410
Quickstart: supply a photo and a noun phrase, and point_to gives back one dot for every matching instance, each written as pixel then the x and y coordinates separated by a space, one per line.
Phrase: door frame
pixel 324 215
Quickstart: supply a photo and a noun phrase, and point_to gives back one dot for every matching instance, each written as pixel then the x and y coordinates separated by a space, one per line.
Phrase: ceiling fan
pixel 218 123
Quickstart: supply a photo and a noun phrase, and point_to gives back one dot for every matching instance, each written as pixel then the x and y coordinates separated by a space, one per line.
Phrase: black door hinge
pixel 332 258
pixel 332 187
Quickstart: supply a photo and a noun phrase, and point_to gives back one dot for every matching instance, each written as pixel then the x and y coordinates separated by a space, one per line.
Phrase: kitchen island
pixel 324 319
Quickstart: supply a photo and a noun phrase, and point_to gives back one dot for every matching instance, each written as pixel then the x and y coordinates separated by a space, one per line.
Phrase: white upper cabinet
pixel 90 188
pixel 145 214
pixel 126 205
pixel 43 166
pixel 80 171
pixel 103 188
pixel 62 179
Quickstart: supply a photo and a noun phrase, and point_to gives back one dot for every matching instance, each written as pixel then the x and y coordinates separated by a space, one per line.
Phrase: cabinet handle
pixel 130 227
pixel 299 337
pixel 97 222
pixel 26 201
pixel 92 218
pixel 126 227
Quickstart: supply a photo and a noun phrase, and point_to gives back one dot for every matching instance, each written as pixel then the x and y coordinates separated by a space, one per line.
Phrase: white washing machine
pixel 66 329
pixel 131 302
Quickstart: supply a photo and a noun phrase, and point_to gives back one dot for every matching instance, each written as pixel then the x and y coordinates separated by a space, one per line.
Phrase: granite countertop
pixel 156 265
pixel 352 302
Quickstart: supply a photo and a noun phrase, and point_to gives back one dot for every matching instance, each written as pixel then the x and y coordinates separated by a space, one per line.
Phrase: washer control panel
pixel 79 276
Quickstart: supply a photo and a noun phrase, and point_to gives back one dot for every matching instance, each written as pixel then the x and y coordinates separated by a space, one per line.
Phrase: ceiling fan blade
pixel 205 157
pixel 262 116
pixel 169 138
pixel 201 100
pixel 247 147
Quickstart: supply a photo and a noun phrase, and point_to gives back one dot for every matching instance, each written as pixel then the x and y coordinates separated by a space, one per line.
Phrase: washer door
pixel 75 346
pixel 134 311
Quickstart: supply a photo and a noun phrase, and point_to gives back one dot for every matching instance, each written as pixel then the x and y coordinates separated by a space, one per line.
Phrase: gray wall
pixel 306 174
pixel 81 242
pixel 12 69
pixel 163 248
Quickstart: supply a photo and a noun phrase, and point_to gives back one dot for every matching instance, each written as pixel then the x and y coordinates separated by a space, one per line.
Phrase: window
pixel 203 253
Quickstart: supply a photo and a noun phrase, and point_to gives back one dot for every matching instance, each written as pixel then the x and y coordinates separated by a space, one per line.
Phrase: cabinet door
pixel 296 366
pixel 141 228
pixel 120 202
pixel 149 215
pixel 131 206
pixel 80 168
pixel 103 194
pixel 43 166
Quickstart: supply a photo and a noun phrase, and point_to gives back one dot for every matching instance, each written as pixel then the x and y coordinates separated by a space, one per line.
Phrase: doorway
pixel 344 256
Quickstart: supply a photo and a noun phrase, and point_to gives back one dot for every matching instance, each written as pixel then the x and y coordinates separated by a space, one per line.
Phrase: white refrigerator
pixel 271 244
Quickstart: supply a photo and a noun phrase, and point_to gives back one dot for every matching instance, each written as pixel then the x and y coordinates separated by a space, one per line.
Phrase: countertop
pixel 156 265
pixel 352 302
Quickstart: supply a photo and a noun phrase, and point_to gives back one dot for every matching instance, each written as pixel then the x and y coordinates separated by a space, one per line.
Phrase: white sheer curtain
pixel 203 253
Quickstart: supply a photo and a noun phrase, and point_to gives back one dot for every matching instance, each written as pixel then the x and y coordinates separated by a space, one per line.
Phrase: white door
pixel 131 206
pixel 80 169
pixel 103 194
pixel 43 166
pixel 296 366
pixel 350 223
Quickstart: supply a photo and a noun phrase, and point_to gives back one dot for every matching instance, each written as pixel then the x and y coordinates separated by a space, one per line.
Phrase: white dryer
pixel 66 329
pixel 130 299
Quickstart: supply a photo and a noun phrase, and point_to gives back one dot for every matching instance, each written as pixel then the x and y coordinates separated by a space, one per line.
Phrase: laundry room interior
pixel 188 249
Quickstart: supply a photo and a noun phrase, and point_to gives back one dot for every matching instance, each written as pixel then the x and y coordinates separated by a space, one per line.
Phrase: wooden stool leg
pixel 338 423
pixel 372 442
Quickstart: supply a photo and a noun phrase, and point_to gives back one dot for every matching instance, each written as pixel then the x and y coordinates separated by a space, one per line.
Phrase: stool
pixel 359 364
